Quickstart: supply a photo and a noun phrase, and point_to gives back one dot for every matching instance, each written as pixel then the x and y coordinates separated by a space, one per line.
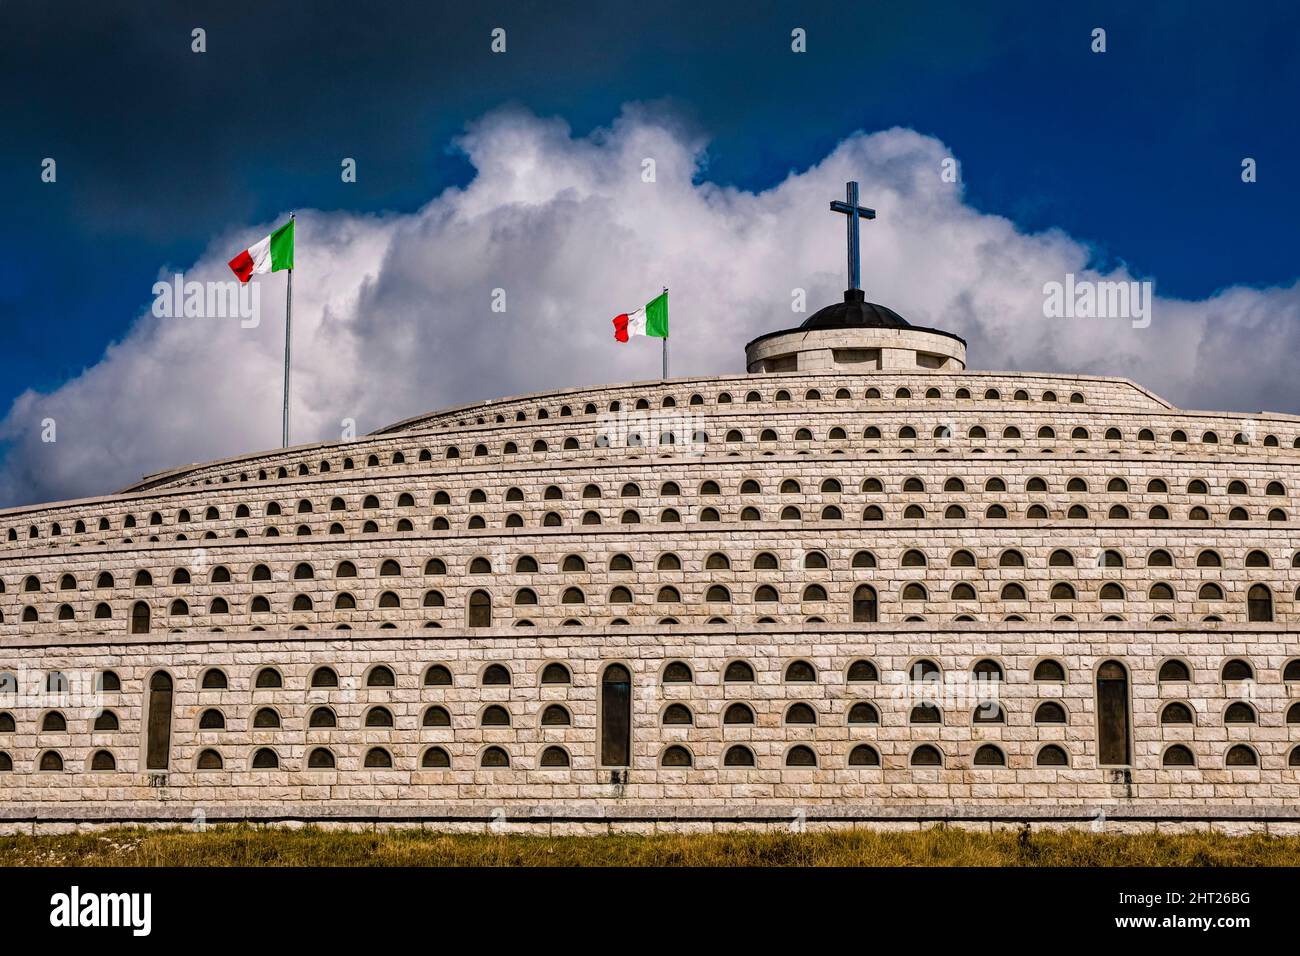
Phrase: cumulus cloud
pixel 393 314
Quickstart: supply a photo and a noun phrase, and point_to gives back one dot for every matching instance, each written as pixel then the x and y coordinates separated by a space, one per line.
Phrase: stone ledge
pixel 637 813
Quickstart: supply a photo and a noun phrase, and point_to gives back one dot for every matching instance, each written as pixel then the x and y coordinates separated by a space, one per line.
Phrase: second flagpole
pixel 288 326
pixel 665 341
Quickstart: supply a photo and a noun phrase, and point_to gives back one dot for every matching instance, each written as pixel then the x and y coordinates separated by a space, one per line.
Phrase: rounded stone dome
pixel 856 336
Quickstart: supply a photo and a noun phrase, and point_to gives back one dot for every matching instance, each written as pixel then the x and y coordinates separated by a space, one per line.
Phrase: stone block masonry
pixel 727 723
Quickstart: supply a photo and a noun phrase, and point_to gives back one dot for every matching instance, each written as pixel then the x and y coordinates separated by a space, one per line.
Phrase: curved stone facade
pixel 859 594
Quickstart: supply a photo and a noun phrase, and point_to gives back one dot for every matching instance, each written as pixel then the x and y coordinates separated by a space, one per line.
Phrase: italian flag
pixel 271 254
pixel 651 319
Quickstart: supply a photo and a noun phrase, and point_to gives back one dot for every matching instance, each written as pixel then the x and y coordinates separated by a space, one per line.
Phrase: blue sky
pixel 1135 152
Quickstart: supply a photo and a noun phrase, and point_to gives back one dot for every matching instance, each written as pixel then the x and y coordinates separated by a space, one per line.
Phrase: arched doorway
pixel 1113 715
pixel 159 727
pixel 616 716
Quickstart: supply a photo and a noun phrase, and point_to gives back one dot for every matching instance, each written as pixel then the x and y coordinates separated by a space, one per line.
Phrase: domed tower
pixel 855 335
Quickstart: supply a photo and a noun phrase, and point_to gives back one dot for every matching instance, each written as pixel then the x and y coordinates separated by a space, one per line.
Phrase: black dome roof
pixel 855 312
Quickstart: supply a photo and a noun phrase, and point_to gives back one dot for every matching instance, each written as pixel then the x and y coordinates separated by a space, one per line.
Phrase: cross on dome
pixel 854 212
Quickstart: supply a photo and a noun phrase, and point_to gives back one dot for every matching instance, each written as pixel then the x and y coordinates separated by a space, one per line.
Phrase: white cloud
pixel 392 314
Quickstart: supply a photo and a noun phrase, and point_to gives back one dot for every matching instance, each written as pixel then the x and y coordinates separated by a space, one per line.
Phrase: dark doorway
pixel 1113 715
pixel 616 717
pixel 158 746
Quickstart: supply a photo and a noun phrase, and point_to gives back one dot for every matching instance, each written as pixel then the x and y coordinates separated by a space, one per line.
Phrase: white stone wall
pixel 525 785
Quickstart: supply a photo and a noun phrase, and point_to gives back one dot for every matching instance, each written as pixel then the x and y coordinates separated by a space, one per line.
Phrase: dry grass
pixel 938 846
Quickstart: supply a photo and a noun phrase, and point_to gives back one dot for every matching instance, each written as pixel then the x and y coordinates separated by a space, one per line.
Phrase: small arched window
pixel 1241 755
pixel 677 672
pixel 738 714
pixel 555 673
pixel 738 755
pixel 1174 670
pixel 814 593
pixel 1237 669
pixel 863 713
pixel 800 671
pixel 1049 670
pixel 51 760
pixel 676 756
pixel 738 672
pixel 678 714
pixel 864 755
pixel 800 756
pixel 436 716
pixel 1052 755
pixel 439 676
pixel 320 758
pixel 926 755
pixel 1049 712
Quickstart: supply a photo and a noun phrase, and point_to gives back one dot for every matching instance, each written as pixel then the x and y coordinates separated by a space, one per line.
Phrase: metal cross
pixel 854 212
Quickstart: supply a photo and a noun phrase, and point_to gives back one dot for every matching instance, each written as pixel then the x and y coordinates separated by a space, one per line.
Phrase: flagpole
pixel 665 344
pixel 288 320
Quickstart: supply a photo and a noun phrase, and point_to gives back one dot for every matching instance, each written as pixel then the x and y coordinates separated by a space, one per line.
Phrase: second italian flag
pixel 271 254
pixel 651 319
